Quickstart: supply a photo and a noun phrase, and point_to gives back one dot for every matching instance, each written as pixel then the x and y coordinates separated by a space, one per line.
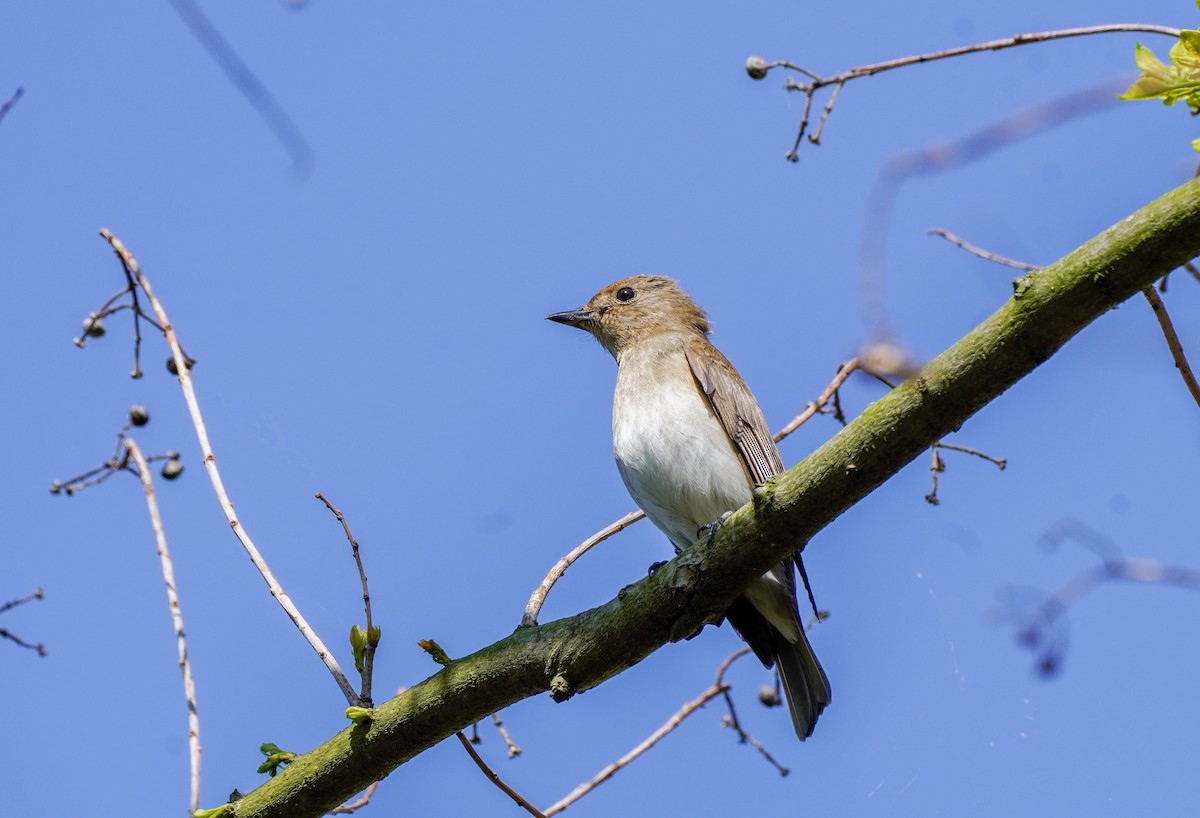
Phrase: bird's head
pixel 631 310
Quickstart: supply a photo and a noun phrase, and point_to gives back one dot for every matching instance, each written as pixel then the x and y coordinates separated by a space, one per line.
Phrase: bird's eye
pixel 626 294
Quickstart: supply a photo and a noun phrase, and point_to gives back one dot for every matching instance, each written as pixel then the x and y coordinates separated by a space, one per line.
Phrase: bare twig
pixel 1000 462
pixel 844 371
pixel 817 82
pixel 37 594
pixel 495 779
pixel 513 749
pixel 168 572
pixel 731 720
pixel 717 688
pixel 938 466
pixel 39 648
pixel 10 102
pixel 1156 304
pixel 1168 330
pixel 986 255
pixel 358 803
pixel 246 82
pixel 538 598
pixel 133 270
pixel 369 648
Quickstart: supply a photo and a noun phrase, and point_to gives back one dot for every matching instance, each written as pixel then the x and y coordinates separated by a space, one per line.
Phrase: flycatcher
pixel 691 443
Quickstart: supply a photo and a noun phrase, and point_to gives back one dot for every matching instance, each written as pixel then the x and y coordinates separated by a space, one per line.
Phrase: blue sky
pixel 373 329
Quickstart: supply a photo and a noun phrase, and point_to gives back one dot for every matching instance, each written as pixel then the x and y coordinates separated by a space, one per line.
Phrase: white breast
pixel 672 452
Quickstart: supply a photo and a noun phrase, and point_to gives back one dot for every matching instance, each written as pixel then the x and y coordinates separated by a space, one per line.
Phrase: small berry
pixel 139 415
pixel 174 370
pixel 172 469
pixel 756 67
pixel 768 696
pixel 93 326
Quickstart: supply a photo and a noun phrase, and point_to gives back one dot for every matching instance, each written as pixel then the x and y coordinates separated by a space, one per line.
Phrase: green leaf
pixel 1171 83
pixel 360 715
pixel 1154 79
pixel 358 646
pixel 215 812
pixel 435 651
pixel 276 758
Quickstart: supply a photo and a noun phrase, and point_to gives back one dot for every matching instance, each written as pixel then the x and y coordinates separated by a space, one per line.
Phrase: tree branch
pixel 571 655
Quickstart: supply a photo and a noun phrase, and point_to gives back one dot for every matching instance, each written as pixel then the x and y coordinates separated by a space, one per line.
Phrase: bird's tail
pixel 804 681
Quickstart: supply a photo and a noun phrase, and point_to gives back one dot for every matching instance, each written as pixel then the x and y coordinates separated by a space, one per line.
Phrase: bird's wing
pixel 738 411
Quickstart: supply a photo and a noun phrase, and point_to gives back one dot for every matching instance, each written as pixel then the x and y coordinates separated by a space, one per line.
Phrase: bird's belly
pixel 676 459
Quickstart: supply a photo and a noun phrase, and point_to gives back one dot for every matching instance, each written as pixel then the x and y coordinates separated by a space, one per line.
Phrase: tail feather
pixel 804 682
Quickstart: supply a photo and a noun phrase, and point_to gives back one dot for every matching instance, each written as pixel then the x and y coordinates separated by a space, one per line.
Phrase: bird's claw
pixel 709 532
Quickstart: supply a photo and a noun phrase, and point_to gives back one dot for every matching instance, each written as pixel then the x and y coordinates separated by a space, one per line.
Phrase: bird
pixel 691 443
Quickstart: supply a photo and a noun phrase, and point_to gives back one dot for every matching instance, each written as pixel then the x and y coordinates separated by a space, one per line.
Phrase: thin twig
pixel 38 647
pixel 357 804
pixel 37 594
pixel 1168 330
pixel 538 598
pixel 816 81
pixel 513 749
pixel 10 102
pixel 717 688
pixel 986 255
pixel 831 393
pixel 369 647
pixel 935 468
pixel 185 666
pixel 731 720
pixel 1000 462
pixel 815 137
pixel 495 779
pixel 210 464
pixel 938 466
pixel 1156 304
pixel 246 82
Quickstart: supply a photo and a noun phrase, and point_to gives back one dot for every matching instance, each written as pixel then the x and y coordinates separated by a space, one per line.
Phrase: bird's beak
pixel 581 318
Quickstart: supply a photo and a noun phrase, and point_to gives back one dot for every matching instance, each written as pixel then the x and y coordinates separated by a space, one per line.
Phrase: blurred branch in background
pixel 1040 618
pixel 8 104
pixel 250 87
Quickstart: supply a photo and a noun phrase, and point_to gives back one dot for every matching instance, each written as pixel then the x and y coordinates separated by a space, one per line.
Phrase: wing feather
pixel 737 410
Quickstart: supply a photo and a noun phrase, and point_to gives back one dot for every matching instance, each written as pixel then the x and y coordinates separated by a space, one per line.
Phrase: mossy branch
pixel 571 655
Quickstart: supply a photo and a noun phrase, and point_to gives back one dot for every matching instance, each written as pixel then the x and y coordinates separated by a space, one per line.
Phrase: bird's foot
pixel 709 532
pixel 655 566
